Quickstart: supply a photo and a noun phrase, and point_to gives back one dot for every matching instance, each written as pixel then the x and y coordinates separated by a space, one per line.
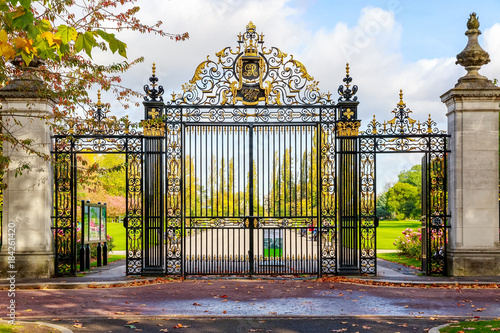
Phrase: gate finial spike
pixel 98 104
pixel 401 103
pixel 347 75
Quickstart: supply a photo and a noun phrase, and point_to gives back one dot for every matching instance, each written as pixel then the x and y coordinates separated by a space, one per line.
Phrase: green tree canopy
pixel 402 200
pixel 54 41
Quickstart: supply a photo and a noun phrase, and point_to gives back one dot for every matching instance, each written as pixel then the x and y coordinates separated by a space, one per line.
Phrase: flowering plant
pixel 410 243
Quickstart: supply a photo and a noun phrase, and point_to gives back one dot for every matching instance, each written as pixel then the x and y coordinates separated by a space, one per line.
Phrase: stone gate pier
pixel 28 198
pixel 473 122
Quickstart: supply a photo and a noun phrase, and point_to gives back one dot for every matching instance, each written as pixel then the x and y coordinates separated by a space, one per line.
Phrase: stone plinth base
pixel 474 263
pixel 32 265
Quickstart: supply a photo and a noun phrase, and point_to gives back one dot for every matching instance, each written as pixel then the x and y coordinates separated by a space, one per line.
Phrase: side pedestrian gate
pixel 253 170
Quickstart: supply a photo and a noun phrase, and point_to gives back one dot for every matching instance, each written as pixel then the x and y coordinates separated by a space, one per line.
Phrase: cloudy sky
pixel 390 45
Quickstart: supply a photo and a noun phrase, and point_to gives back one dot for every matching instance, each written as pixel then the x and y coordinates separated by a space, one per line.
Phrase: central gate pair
pixel 253 170
pixel 249 199
pixel 267 175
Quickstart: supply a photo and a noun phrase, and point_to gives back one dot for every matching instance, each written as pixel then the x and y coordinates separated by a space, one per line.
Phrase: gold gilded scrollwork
pixel 155 129
pixel 199 70
pixel 273 76
pixel 348 128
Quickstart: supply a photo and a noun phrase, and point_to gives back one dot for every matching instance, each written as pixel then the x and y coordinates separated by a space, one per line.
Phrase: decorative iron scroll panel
pixel 251 194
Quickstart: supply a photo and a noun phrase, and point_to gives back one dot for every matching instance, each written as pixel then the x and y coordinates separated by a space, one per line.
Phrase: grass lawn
pixel 117 231
pixel 388 231
pixel 478 326
pixel 111 258
pixel 400 259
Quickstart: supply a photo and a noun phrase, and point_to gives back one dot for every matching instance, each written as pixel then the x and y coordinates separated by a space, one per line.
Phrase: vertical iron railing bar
pixel 217 163
pixel 55 228
pixel 127 198
pixel 251 203
pixel 274 170
pixel 295 169
pixel 285 181
pixel 211 169
pixel 428 213
pixel 290 189
pixel 269 184
pixel 184 234
pixel 232 181
pixel 445 207
pixel 256 171
pixel 375 211
pixel 73 207
pixel 319 200
pixel 223 171
pixel 301 195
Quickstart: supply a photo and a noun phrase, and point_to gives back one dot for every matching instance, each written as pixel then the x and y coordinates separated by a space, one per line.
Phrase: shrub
pixel 410 243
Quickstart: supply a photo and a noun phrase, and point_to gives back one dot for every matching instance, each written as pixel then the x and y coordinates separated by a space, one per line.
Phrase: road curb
pixel 61 329
pixel 77 285
pixel 437 328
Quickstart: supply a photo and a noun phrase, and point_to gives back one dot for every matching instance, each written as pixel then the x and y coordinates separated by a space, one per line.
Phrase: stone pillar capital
pixel 479 99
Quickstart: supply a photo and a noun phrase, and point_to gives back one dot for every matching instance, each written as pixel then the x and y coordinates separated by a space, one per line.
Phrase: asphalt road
pixel 241 305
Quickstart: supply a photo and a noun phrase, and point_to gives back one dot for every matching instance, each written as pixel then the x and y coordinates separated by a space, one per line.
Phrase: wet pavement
pixel 197 298
pixel 286 303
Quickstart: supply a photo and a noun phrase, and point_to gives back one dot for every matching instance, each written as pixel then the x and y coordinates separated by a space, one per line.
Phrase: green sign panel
pixel 94 224
pixel 273 243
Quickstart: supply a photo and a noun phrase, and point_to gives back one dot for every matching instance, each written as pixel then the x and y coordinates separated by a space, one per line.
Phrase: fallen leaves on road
pixel 78 325
pixel 196 304
pixel 343 279
pixel 137 283
pixel 181 326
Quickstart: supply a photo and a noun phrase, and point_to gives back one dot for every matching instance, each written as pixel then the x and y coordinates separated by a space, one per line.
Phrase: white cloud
pixel 372 47
pixel 491 44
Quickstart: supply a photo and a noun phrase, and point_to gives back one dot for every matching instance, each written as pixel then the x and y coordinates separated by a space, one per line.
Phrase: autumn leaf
pixel 78 325
pixel 66 34
pixel 85 41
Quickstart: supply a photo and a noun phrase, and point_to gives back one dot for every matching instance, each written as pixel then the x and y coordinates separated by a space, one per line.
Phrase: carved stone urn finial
pixel 473 56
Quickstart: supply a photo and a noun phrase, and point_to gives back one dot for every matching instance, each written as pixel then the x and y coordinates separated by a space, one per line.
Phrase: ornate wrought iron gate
pixel 253 170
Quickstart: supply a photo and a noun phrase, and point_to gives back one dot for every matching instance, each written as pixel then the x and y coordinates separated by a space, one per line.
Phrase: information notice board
pixel 273 246
pixel 94 222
